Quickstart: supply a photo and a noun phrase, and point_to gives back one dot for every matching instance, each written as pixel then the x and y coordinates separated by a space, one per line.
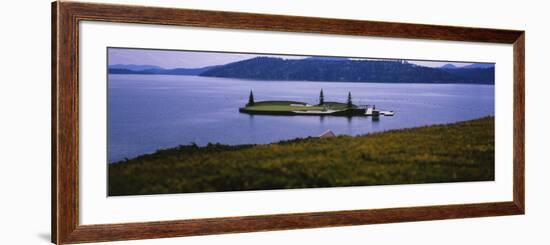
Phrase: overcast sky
pixel 195 59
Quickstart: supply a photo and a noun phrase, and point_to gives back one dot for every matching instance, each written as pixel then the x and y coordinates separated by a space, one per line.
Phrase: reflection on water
pixel 148 112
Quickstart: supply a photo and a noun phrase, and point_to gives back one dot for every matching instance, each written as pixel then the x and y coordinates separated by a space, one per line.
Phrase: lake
pixel 149 112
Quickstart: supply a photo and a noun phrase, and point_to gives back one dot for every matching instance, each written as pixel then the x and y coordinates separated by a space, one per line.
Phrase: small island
pixel 329 108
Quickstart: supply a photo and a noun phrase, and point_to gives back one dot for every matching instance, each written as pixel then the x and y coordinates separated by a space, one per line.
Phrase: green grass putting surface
pixel 289 106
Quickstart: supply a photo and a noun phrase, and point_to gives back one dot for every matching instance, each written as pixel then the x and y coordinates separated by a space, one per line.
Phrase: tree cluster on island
pixel 250 99
pixel 349 103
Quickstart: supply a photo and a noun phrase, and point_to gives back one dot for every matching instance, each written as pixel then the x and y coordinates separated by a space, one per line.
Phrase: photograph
pixel 204 121
pixel 184 121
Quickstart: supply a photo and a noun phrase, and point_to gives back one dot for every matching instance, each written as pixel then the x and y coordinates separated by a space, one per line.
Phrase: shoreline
pixel 459 152
pixel 312 81
pixel 126 159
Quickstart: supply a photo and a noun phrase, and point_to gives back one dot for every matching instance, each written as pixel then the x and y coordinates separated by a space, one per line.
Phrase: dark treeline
pixel 345 70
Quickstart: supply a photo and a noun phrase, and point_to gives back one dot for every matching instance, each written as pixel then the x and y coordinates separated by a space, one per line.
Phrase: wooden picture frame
pixel 65 121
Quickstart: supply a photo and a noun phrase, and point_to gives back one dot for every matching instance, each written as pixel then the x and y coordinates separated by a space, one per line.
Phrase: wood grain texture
pixel 519 122
pixel 65 122
pixel 54 123
pixel 149 230
pixel 65 151
pixel 234 20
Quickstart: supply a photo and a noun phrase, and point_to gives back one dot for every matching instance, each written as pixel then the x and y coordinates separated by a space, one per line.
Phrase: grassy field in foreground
pixel 457 152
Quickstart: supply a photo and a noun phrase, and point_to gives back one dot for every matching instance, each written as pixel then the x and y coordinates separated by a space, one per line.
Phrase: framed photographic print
pixel 175 122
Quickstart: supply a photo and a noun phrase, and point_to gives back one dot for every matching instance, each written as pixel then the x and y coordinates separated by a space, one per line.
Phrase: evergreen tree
pixel 321 98
pixel 350 104
pixel 250 99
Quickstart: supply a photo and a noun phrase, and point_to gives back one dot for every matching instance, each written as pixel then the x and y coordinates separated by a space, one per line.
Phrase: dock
pixel 373 112
pixel 369 111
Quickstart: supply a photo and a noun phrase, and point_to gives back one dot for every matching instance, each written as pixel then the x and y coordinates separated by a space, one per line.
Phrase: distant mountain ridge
pixel 347 70
pixel 155 70
pixel 133 67
pixel 471 66
pixel 479 65
pixel 449 66
pixel 328 69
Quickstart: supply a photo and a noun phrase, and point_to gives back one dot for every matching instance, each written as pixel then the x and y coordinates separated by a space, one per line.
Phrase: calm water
pixel 148 112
